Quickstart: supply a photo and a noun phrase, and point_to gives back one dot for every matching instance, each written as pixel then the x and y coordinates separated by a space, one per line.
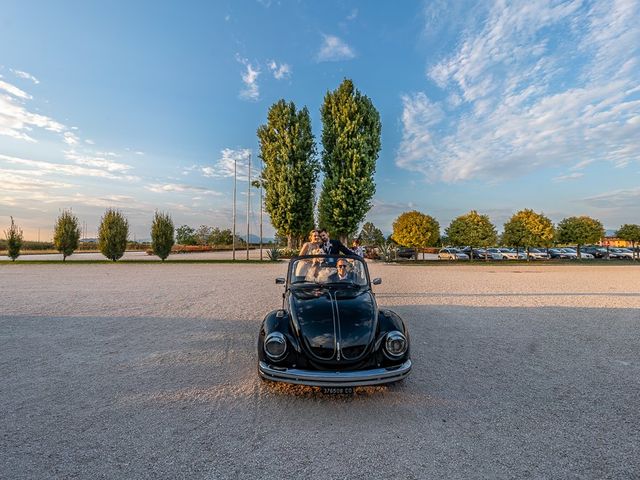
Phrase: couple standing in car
pixel 319 243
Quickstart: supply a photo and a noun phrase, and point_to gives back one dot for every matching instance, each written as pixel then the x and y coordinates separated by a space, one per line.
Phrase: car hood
pixel 334 324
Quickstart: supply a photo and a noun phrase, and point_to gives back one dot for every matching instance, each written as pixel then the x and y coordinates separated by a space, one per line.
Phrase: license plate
pixel 337 390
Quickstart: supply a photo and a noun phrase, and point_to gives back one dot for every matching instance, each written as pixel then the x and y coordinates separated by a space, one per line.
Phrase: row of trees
pixel 205 235
pixel 524 229
pixel 350 146
pixel 113 234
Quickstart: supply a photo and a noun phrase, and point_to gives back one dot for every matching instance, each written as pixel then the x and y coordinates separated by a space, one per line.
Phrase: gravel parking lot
pixel 149 371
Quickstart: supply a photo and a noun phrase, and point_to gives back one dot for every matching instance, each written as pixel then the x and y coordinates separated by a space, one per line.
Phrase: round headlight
pixel 395 344
pixel 275 346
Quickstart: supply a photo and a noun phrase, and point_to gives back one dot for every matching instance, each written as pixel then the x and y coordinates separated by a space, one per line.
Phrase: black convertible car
pixel 329 331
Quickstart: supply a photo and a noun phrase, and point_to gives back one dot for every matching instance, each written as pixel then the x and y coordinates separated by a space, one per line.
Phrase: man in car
pixel 333 247
pixel 342 273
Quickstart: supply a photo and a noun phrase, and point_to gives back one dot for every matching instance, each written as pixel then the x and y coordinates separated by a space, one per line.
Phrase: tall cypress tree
pixel 351 144
pixel 290 172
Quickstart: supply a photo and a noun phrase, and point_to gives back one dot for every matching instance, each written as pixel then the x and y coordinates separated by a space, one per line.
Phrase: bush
pixel 112 234
pixel 162 235
pixel 67 234
pixel 14 241
pixel 288 252
pixel 273 254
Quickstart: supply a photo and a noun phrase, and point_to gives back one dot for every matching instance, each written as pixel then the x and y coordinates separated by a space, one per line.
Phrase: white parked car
pixel 538 254
pixel 583 255
pixel 622 252
pixel 511 254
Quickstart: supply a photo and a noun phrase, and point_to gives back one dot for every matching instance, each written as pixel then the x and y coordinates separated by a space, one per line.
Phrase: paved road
pixel 148 371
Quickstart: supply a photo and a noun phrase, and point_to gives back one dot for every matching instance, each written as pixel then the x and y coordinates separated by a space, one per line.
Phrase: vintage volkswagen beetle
pixel 330 331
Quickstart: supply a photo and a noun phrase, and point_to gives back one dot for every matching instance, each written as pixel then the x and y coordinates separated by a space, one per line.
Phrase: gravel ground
pixel 149 371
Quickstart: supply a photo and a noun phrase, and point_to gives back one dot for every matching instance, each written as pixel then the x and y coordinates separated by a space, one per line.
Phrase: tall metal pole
pixel 248 201
pixel 261 167
pixel 233 239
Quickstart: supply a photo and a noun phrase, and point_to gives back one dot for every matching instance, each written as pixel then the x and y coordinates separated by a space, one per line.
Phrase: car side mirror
pixel 280 281
pixel 376 281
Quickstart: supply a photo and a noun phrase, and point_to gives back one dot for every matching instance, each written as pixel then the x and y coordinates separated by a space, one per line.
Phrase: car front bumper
pixel 320 378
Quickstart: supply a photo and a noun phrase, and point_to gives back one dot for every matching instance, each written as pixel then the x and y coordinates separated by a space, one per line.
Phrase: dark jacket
pixel 336 247
pixel 335 278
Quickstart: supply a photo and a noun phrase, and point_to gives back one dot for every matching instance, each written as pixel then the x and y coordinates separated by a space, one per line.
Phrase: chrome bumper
pixel 317 378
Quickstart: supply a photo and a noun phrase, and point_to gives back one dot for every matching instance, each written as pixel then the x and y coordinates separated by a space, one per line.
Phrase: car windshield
pixel 324 269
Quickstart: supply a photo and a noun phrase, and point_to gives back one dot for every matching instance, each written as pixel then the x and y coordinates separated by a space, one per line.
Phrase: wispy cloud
pixel 522 102
pixel 65 169
pixel 230 160
pixel 333 49
pixel 16 120
pixel 626 198
pixel 25 75
pixel 570 176
pixel 353 15
pixel 96 161
pixel 251 90
pixel 180 188
pixel 279 71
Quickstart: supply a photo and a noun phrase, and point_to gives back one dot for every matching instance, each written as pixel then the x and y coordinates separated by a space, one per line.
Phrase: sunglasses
pixel 342 266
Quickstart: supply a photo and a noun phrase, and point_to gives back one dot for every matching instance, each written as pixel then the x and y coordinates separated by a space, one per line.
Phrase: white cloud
pixel 230 159
pixel 180 188
pixel 25 75
pixel 516 100
pixel 251 90
pixel 570 176
pixel 15 91
pixel 97 162
pixel 353 14
pixel 70 138
pixel 279 71
pixel 333 49
pixel 64 169
pixel 24 180
pixel 18 122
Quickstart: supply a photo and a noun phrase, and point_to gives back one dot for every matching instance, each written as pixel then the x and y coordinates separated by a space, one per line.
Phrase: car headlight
pixel 395 344
pixel 275 346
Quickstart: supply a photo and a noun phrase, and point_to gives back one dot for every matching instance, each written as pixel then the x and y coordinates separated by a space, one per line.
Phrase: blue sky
pixel 493 106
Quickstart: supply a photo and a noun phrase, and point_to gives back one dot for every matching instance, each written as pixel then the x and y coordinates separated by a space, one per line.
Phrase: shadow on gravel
pixel 495 392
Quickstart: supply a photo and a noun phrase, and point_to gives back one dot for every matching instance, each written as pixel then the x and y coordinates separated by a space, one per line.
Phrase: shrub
pixel 14 241
pixel 162 235
pixel 67 234
pixel 273 254
pixel 288 252
pixel 112 234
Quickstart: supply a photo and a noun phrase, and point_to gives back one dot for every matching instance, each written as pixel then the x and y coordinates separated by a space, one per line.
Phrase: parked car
pixel 406 252
pixel 496 253
pixel 559 253
pixel 538 254
pixel 596 251
pixel 621 253
pixel 450 253
pixel 475 253
pixel 330 332
pixel 511 254
pixel 583 255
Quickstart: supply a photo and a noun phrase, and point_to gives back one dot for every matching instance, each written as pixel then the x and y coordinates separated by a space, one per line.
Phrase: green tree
pixel 112 234
pixel 528 229
pixel 202 234
pixel 66 237
pixel 579 231
pixel 630 233
pixel 370 235
pixel 162 235
pixel 473 230
pixel 416 230
pixel 290 171
pixel 14 240
pixel 185 235
pixel 351 143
